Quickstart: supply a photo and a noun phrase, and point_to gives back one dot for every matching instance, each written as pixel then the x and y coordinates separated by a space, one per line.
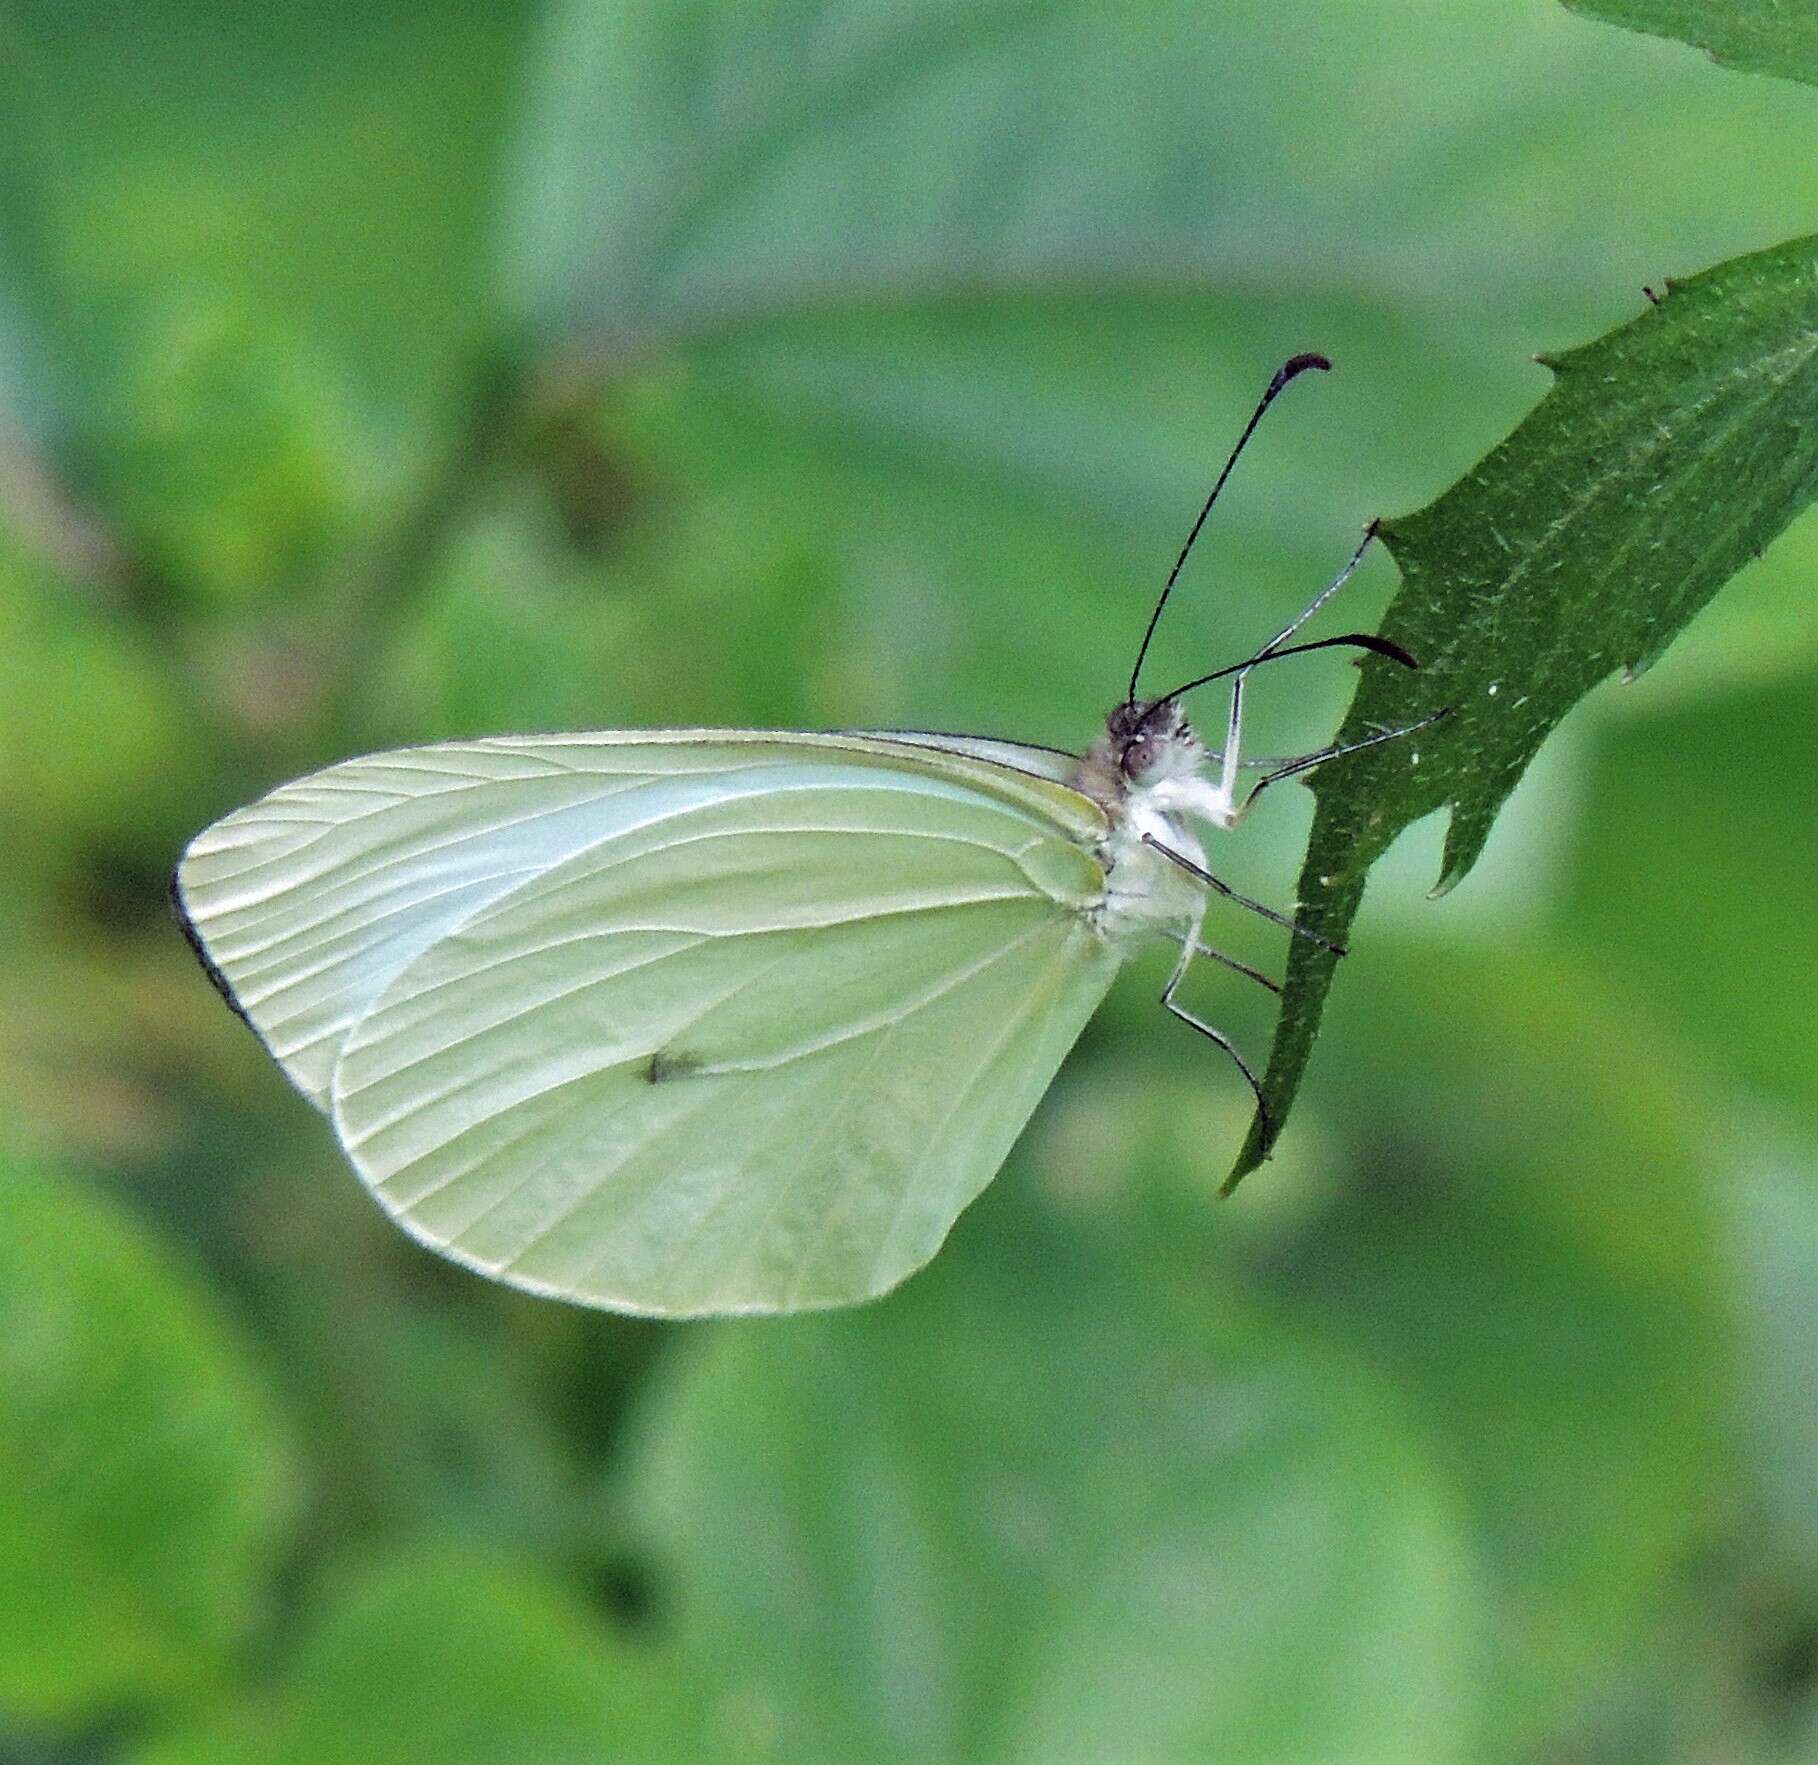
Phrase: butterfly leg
pixel 1306 762
pixel 1188 946
pixel 1230 894
pixel 1200 948
pixel 1324 595
pixel 1192 941
pixel 1229 757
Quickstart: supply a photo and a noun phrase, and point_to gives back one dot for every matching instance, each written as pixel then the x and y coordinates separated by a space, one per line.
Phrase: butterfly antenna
pixel 1352 640
pixel 1293 366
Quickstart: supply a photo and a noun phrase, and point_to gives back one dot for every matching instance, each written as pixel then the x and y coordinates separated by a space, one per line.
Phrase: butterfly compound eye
pixel 1138 757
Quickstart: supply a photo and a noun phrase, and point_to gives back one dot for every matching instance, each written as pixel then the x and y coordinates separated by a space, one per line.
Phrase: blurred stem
pixel 370 608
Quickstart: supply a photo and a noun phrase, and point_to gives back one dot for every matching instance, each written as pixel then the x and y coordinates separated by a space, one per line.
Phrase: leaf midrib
pixel 739 160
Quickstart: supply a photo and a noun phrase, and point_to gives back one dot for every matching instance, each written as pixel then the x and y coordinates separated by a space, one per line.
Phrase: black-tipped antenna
pixel 1293 366
pixel 1357 640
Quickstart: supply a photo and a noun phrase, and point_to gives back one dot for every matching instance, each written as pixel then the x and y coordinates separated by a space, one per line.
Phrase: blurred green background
pixel 376 372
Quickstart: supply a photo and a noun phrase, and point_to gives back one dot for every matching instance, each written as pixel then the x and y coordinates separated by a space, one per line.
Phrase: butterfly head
pixel 1153 742
pixel 1144 745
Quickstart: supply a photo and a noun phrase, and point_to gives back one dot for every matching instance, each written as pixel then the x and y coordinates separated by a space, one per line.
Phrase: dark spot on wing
pixel 669 1063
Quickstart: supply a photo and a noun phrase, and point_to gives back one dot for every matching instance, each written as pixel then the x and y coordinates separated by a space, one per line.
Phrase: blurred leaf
pixel 1693 878
pixel 328 166
pixel 227 454
pixel 93 733
pixel 442 1653
pixel 33 507
pixel 146 1479
pixel 93 1029
pixel 1047 1502
pixel 1530 1252
pixel 983 326
pixel 1775 1245
pixel 733 160
pixel 987 494
pixel 692 169
pixel 25 392
pixel 1667 453
pixel 1762 36
pixel 256 252
pixel 430 1425
pixel 20 396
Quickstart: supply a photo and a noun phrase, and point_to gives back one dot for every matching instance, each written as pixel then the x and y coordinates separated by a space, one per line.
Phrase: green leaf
pixel 445 1653
pixel 693 168
pixel 922 267
pixel 1666 455
pixel 143 1475
pixel 1052 1502
pixel 1760 36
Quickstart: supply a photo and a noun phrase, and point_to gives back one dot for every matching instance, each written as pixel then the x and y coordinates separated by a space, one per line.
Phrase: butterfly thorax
pixel 1146 773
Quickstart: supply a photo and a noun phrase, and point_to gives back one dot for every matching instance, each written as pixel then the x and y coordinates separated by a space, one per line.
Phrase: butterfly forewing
pixel 306 902
pixel 1052 764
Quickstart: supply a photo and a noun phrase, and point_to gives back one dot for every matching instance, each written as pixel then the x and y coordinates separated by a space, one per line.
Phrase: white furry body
pixel 1148 893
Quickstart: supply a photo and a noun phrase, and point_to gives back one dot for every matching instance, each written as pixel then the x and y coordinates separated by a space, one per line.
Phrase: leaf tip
pixel 1455 867
pixel 1257 1149
pixel 1633 669
pixel 1465 837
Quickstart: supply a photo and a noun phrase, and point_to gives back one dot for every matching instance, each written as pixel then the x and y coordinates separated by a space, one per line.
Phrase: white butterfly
pixel 692 1021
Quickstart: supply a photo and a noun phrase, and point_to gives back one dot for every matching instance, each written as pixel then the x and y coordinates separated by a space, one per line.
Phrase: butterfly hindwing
pixel 752 1053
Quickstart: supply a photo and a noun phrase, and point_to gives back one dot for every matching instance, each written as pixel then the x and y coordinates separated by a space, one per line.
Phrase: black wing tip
pixel 180 911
